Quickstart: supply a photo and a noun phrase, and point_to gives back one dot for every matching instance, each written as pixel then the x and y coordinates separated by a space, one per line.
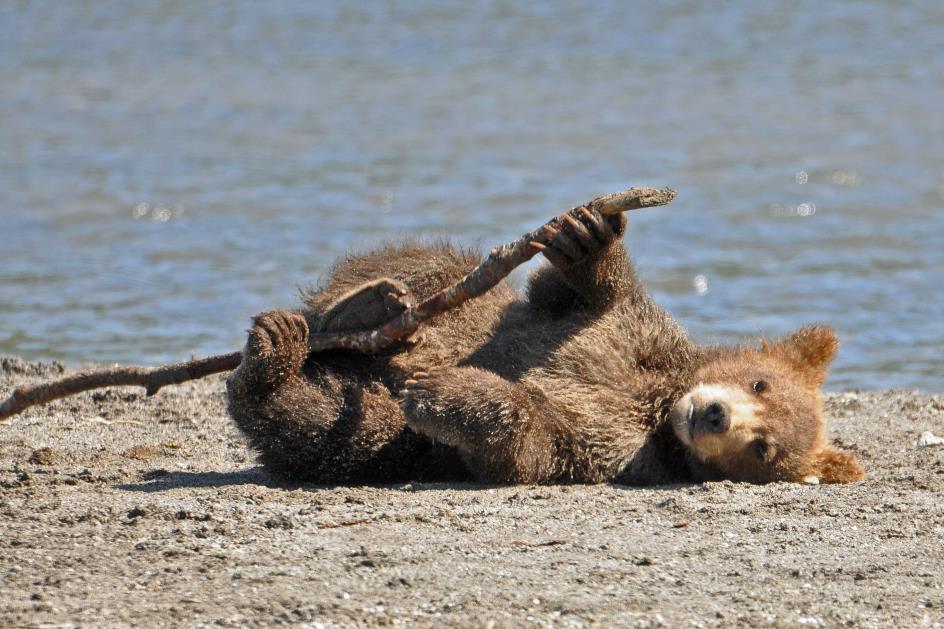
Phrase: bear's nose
pixel 711 417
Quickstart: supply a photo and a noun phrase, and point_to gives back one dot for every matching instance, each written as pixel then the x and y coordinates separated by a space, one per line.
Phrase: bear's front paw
pixel 278 344
pixel 581 238
pixel 417 395
pixel 425 409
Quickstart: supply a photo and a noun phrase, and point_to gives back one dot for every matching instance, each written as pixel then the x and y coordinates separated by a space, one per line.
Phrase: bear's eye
pixel 763 450
pixel 760 386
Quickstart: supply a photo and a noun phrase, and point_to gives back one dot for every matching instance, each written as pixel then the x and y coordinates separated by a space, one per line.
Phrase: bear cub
pixel 582 379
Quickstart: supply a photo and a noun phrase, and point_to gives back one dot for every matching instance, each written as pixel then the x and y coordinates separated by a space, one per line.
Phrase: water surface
pixel 169 168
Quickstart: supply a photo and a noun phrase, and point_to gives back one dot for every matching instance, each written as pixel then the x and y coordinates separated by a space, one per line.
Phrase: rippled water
pixel 169 168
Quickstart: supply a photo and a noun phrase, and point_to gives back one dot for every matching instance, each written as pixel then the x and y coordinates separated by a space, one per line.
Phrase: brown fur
pixel 583 381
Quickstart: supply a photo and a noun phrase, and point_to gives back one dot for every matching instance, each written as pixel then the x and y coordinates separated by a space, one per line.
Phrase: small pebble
pixel 928 439
pixel 43 456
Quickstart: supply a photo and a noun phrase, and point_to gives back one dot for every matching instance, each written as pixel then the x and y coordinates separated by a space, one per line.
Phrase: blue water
pixel 169 168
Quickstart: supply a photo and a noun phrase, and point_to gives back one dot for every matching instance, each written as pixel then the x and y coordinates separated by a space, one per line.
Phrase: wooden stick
pixel 152 379
pixel 500 262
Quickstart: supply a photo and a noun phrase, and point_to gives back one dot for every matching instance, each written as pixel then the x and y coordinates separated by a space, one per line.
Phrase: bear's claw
pixel 577 238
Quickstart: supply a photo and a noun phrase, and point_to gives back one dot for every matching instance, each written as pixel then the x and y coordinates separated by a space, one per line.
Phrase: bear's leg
pixel 587 253
pixel 317 423
pixel 504 431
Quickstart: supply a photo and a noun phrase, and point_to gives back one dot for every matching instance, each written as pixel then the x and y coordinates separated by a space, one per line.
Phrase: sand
pixel 117 509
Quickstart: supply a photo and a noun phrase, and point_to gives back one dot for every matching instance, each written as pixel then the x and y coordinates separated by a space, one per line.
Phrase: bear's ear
pixel 810 349
pixel 834 466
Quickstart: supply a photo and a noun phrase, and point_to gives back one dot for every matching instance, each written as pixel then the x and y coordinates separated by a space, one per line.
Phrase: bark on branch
pixel 500 262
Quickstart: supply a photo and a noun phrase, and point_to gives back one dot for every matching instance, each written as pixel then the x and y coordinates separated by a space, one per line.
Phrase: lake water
pixel 169 168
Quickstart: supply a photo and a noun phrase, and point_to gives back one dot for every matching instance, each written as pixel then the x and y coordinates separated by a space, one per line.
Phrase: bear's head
pixel 755 413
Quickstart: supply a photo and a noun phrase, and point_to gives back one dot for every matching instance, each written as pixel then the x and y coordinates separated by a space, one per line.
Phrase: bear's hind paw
pixel 278 344
pixel 368 306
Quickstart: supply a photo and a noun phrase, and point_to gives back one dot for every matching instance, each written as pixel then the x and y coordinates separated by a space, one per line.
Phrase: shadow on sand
pixel 164 480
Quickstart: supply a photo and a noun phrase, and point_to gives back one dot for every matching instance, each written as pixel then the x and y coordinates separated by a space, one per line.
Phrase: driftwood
pixel 501 261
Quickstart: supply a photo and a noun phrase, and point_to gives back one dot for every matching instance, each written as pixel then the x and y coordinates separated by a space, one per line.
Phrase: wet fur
pixel 574 383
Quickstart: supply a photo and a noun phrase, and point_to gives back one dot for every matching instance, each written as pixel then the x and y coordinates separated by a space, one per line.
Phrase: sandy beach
pixel 118 509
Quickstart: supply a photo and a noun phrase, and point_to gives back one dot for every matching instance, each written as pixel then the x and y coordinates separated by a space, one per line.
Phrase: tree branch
pixel 152 379
pixel 500 262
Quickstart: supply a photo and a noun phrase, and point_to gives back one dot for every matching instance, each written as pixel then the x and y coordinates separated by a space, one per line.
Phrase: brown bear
pixel 583 379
